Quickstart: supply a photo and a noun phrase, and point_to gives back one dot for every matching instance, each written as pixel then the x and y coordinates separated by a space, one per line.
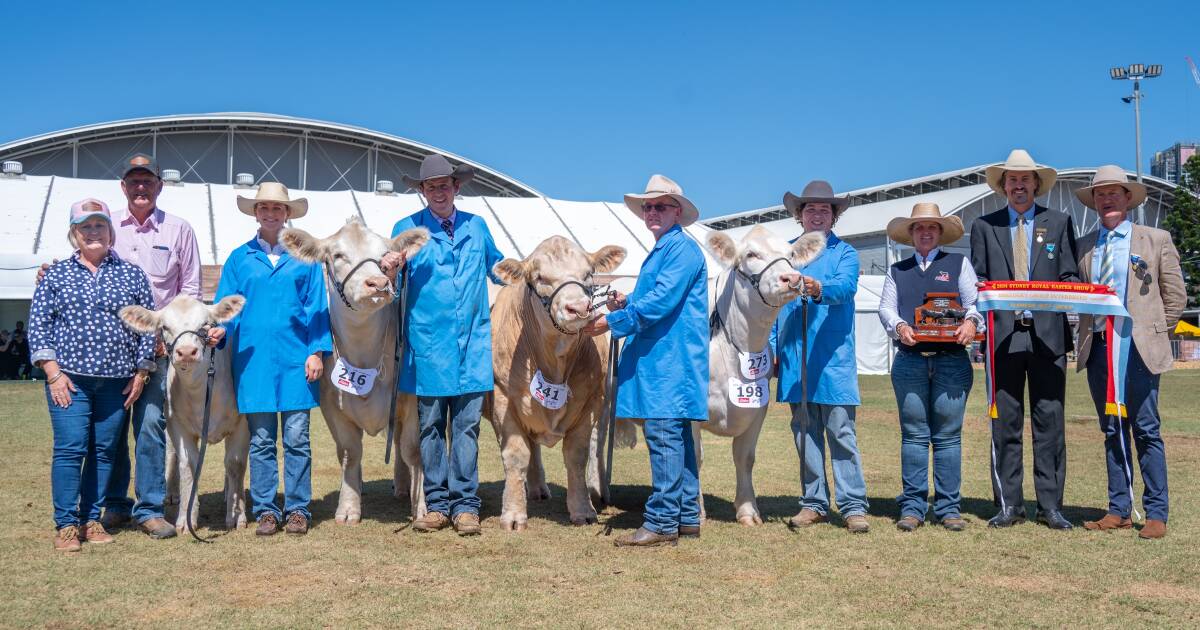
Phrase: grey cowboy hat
pixel 436 165
pixel 1110 175
pixel 817 191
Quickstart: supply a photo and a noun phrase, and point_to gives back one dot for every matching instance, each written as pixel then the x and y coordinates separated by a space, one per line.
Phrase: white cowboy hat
pixel 1020 160
pixel 899 228
pixel 816 191
pixel 273 192
pixel 663 186
pixel 1108 175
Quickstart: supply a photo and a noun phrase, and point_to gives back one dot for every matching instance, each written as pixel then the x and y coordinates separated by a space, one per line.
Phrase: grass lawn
pixel 380 573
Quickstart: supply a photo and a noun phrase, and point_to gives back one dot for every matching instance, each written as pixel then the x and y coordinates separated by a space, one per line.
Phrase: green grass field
pixel 380 573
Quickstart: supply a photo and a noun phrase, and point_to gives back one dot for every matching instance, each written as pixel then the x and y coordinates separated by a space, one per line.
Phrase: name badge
pixel 352 380
pixel 752 395
pixel 549 395
pixel 755 365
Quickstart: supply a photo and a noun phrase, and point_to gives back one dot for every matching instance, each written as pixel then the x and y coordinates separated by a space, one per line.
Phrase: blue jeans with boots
pixel 451 478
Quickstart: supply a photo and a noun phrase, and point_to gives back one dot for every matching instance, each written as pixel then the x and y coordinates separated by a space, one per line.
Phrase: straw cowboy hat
pixel 816 191
pixel 1020 160
pixel 663 186
pixel 434 166
pixel 273 192
pixel 1106 176
pixel 899 229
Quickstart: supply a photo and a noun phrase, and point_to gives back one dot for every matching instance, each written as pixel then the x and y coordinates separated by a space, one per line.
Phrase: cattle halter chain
pixel 756 280
pixel 340 285
pixel 590 291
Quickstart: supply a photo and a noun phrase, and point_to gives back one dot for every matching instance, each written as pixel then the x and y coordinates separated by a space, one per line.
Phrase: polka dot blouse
pixel 73 318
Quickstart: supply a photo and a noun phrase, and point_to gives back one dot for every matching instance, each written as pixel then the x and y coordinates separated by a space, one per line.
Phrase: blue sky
pixel 737 101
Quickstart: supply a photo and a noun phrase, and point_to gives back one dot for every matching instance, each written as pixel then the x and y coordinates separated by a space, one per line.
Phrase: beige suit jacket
pixel 1155 296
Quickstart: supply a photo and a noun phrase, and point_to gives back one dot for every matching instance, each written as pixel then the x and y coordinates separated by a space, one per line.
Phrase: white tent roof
pixel 34 209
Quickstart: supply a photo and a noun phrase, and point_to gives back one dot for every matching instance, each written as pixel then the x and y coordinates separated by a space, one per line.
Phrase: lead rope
pixel 212 371
pixel 614 352
pixel 803 398
pixel 400 321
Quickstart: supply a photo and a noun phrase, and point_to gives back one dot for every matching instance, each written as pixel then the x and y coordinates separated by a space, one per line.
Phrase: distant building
pixel 1168 163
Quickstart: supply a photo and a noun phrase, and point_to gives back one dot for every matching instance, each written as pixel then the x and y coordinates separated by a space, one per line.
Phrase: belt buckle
pixel 929 354
pixel 1023 319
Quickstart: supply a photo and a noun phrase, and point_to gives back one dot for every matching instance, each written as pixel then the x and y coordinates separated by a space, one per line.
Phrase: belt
pixel 933 353
pixel 1023 321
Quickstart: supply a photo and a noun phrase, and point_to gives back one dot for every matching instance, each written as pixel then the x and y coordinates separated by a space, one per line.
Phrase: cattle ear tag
pixel 549 395
pixel 352 380
pixel 755 365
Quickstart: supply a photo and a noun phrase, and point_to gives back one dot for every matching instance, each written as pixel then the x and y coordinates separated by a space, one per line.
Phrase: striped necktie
pixel 1108 275
pixel 448 228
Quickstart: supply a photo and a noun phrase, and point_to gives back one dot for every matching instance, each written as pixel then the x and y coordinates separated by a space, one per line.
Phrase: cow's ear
pixel 227 308
pixel 607 258
pixel 141 319
pixel 808 247
pixel 410 241
pixel 722 247
pixel 510 270
pixel 302 246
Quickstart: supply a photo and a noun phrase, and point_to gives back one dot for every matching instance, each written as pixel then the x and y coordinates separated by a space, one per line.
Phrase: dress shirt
pixel 967 294
pixel 1120 257
pixel 273 253
pixel 165 248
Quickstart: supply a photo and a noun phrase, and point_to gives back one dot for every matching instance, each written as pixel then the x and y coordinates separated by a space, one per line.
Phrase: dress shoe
pixel 467 524
pixel 268 525
pixel 431 522
pixel 1007 517
pixel 1110 521
pixel 857 524
pixel 157 528
pixel 1054 520
pixel 689 531
pixel 1153 529
pixel 94 533
pixel 297 523
pixel 954 523
pixel 646 538
pixel 909 524
pixel 113 521
pixel 67 539
pixel 807 518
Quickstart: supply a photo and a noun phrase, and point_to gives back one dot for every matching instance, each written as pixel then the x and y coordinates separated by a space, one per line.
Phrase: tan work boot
pixel 807 518
pixel 268 525
pixel 643 537
pixel 1153 529
pixel 431 522
pixel 67 539
pixel 1110 521
pixel 296 524
pixel 157 528
pixel 467 524
pixel 94 533
pixel 857 524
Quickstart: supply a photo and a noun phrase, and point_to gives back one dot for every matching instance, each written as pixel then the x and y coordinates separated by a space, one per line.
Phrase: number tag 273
pixel 352 380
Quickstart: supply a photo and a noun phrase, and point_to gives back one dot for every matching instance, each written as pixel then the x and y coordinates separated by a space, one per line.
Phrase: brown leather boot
pixel 1110 521
pixel 467 524
pixel 807 518
pixel 1153 529
pixel 857 524
pixel 643 537
pixel 67 539
pixel 94 533
pixel 267 524
pixel 296 524
pixel 431 522
pixel 905 524
pixel 157 528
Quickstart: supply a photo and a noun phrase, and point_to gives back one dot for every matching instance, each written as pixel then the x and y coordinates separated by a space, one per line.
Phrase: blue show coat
pixel 285 319
pixel 663 369
pixel 832 367
pixel 449 342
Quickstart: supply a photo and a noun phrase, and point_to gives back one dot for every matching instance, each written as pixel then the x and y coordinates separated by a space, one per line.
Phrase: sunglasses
pixel 659 207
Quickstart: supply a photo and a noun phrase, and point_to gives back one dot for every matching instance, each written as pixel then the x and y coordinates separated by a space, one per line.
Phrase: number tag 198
pixel 752 395
pixel 352 380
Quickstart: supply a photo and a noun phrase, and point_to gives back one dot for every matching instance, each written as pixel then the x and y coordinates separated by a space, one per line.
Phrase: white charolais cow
pixel 362 317
pixel 549 377
pixel 759 279
pixel 187 382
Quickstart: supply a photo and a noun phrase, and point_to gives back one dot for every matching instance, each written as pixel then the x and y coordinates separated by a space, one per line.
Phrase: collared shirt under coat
pixel 832 366
pixel 663 369
pixel 448 349
pixel 285 319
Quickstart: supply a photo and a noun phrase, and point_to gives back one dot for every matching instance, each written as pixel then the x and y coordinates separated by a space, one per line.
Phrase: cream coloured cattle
pixel 187 382
pixel 760 278
pixel 362 317
pixel 549 377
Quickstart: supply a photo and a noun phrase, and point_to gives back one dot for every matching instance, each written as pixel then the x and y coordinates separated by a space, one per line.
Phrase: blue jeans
pixel 451 487
pixel 85 445
pixel 1141 400
pixel 150 450
pixel 674 476
pixel 836 421
pixel 264 468
pixel 931 394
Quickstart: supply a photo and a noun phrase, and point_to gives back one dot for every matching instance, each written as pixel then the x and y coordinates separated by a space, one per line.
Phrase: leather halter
pixel 756 280
pixel 340 285
pixel 589 291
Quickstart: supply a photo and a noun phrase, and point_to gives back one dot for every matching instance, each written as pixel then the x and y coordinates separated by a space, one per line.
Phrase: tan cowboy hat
pixel 1020 160
pixel 436 165
pixel 1106 176
pixel 952 227
pixel 276 193
pixel 816 191
pixel 663 186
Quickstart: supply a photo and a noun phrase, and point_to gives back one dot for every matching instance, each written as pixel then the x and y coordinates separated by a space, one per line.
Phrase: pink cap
pixel 83 210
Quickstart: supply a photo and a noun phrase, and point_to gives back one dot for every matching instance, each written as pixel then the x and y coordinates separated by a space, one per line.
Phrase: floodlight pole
pixel 1137 132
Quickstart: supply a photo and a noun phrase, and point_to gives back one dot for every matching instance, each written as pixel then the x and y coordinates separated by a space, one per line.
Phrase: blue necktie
pixel 448 228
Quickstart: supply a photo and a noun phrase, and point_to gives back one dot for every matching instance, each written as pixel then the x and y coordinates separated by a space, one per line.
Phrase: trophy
pixel 939 317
